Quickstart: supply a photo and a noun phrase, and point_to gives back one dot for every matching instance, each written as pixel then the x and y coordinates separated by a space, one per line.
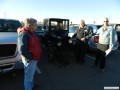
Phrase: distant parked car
pixel 93 40
pixel 10 58
pixel 40 31
pixel 117 28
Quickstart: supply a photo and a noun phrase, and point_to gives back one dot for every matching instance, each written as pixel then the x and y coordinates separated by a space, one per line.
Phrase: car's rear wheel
pixel 51 53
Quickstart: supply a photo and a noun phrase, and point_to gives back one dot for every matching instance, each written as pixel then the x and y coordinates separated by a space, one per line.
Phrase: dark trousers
pixel 100 55
pixel 80 49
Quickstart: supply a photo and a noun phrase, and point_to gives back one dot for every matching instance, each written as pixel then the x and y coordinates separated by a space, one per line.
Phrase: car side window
pixel 1 26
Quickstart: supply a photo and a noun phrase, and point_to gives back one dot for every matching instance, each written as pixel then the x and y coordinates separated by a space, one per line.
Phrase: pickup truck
pixel 10 58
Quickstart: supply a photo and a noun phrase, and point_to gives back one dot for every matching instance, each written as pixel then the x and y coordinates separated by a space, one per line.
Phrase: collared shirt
pixel 106 36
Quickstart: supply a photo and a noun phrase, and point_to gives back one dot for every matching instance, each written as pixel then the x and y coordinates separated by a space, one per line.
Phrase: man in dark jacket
pixel 83 34
pixel 30 48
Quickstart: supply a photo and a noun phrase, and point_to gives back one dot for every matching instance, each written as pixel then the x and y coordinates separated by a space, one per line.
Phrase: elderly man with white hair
pixel 30 48
pixel 83 34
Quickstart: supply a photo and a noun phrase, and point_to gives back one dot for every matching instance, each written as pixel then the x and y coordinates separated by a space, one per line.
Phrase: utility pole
pixel 4 15
pixel 94 22
pixel 109 18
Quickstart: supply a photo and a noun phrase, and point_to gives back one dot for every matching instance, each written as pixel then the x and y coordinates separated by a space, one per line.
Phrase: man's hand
pixel 108 51
pixel 82 39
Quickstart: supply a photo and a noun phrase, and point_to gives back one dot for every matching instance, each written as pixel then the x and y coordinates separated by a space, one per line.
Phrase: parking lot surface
pixel 72 76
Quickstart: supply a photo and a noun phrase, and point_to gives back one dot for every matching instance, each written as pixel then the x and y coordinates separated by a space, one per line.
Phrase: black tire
pixel 51 53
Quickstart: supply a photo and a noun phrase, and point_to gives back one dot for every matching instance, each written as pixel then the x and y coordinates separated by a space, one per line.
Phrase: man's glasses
pixel 105 21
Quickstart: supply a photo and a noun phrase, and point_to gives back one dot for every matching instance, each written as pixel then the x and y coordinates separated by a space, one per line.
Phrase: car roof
pixel 9 19
pixel 55 19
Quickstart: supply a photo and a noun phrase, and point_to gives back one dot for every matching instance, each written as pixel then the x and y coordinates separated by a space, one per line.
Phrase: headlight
pixel 59 43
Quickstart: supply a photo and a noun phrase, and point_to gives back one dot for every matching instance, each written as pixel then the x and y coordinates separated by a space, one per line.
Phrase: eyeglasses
pixel 105 21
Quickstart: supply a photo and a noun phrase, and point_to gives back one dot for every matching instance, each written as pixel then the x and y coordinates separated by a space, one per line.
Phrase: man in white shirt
pixel 105 44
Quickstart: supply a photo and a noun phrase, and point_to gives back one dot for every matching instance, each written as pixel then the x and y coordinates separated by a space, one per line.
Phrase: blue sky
pixel 75 10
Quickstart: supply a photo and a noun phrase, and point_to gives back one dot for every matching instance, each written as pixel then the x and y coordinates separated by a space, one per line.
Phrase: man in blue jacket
pixel 29 46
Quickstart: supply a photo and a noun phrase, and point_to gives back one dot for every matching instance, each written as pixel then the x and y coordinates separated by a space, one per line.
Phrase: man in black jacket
pixel 83 34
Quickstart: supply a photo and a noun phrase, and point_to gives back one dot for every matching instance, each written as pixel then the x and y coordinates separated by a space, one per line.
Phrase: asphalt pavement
pixel 75 76
pixel 69 76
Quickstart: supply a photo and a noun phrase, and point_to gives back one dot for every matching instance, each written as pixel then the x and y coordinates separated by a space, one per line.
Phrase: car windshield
pixel 117 27
pixel 9 25
pixel 95 27
pixel 39 28
pixel 73 29
pixel 99 26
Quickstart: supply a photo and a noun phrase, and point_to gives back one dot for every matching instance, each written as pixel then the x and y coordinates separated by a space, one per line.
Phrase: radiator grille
pixel 7 50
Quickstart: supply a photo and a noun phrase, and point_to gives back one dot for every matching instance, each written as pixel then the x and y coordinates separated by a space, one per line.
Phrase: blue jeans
pixel 29 71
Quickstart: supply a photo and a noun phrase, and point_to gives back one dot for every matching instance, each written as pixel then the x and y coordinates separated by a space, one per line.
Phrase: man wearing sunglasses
pixel 105 44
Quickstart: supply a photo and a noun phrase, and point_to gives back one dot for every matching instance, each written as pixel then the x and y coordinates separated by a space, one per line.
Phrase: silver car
pixel 117 28
pixel 10 58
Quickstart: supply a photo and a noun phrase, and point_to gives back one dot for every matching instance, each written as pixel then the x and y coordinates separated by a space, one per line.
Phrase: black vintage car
pixel 56 38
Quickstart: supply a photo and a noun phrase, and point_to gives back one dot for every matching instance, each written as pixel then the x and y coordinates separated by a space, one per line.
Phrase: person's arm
pixel 23 46
pixel 111 39
pixel 89 33
pixel 111 42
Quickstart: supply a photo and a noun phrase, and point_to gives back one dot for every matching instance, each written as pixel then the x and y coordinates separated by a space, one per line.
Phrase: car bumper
pixel 11 63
